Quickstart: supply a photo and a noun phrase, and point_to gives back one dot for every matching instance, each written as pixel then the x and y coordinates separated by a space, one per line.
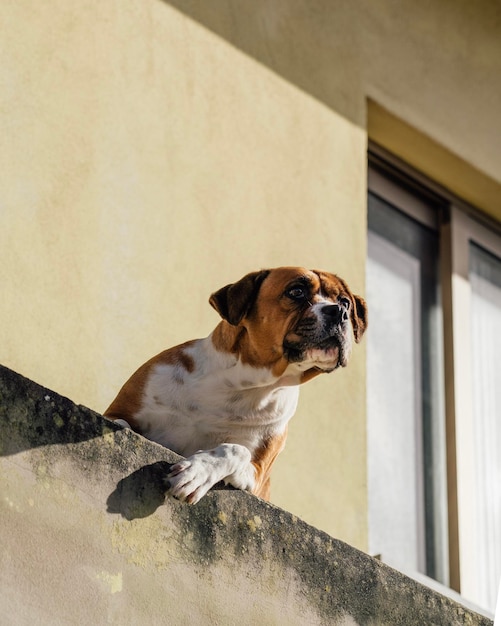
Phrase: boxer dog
pixel 224 402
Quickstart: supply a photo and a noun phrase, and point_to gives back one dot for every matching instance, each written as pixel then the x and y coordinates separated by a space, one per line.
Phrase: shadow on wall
pixel 34 417
pixel 141 493
pixel 284 37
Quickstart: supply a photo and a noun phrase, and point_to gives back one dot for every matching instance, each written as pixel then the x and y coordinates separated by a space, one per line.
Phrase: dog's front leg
pixel 190 479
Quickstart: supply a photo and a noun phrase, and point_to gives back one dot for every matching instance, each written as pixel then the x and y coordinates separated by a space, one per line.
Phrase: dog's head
pixel 294 315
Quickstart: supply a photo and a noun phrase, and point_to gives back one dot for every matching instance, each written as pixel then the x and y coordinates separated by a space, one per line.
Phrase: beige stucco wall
pixel 151 153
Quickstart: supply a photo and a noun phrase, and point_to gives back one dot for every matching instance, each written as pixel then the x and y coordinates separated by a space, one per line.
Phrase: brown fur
pixel 129 399
pixel 263 459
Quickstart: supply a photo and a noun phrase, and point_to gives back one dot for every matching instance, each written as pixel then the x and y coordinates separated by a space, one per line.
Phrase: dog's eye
pixel 296 293
pixel 344 302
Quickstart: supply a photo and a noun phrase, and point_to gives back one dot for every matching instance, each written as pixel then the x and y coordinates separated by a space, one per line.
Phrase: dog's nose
pixel 336 312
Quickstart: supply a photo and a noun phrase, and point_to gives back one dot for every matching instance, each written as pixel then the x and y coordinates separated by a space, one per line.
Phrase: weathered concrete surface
pixel 88 538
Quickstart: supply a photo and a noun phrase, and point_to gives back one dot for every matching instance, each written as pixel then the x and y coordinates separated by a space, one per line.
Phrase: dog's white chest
pixel 221 400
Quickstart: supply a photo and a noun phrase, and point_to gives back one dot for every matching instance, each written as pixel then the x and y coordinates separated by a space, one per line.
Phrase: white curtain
pixel 485 281
pixel 395 483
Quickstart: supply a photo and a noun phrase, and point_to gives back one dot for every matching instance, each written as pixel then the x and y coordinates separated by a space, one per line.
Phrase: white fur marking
pixel 207 411
pixel 191 479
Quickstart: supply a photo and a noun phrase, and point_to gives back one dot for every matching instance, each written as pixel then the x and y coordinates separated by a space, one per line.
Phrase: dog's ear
pixel 359 316
pixel 235 301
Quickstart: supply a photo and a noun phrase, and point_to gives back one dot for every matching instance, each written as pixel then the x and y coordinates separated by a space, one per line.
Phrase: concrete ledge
pixel 88 537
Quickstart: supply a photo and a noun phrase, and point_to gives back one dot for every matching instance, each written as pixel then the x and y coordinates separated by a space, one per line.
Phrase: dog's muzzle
pixel 324 327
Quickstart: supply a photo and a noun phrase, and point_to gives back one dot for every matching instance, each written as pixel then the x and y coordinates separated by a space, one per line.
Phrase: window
pixel 434 392
pixel 475 403
pixel 406 423
pixel 485 282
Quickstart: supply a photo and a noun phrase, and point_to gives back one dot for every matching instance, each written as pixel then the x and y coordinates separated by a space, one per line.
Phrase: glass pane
pixel 406 440
pixel 485 281
pixel 394 397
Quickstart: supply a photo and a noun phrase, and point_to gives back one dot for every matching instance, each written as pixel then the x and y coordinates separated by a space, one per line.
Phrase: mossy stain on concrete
pixel 69 451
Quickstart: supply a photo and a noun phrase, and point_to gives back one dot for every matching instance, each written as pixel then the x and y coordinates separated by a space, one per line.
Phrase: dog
pixel 224 402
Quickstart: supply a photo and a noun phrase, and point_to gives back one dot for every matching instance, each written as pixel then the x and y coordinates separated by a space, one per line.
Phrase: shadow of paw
pixel 141 493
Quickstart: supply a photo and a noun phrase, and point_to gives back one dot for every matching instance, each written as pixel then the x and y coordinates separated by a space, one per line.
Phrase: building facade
pixel 153 151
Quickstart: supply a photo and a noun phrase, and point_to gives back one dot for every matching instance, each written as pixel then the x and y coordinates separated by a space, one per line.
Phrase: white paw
pixel 190 479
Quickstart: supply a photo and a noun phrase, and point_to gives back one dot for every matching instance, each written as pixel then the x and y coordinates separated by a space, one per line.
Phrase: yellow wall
pixel 153 151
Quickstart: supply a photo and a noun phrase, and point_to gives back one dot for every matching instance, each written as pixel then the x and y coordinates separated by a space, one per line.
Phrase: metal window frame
pixel 459 224
pixel 426 208
pixel 461 230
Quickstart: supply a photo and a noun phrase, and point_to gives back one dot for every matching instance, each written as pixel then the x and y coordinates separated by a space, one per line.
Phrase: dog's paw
pixel 190 479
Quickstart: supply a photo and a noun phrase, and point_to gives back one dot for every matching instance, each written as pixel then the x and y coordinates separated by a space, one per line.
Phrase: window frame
pixel 458 224
pixel 410 199
pixel 461 230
